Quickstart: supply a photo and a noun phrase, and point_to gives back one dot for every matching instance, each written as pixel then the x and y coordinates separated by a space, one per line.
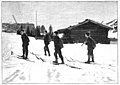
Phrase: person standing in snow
pixel 58 46
pixel 25 43
pixel 90 42
pixel 46 42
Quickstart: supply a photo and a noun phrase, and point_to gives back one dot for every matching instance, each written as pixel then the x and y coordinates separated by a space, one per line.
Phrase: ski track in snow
pixel 15 70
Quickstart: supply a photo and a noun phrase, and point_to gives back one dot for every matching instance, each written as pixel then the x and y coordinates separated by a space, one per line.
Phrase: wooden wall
pixel 100 34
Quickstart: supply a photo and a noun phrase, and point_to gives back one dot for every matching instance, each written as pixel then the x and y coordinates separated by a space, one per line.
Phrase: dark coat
pixel 90 42
pixel 58 42
pixel 46 39
pixel 25 39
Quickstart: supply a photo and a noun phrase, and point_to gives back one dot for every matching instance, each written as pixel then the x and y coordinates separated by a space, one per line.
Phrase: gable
pixel 91 26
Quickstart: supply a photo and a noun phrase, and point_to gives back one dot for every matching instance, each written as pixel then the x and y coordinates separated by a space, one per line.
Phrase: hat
pixel 56 32
pixel 45 31
pixel 22 30
pixel 87 33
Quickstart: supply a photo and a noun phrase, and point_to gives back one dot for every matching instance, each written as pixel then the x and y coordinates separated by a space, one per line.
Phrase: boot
pixel 88 59
pixel 55 61
pixel 62 61
pixel 87 62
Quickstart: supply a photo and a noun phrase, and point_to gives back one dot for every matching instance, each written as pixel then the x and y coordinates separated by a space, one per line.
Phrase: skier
pixel 46 42
pixel 58 46
pixel 25 43
pixel 90 42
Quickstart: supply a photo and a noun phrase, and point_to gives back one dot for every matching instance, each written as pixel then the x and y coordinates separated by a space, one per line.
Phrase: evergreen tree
pixel 43 29
pixel 51 32
pixel 37 32
pixel 21 27
pixel 39 28
pixel 28 31
pixel 31 33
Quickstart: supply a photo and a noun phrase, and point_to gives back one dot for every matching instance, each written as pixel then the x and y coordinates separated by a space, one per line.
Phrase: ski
pixel 20 57
pixel 37 57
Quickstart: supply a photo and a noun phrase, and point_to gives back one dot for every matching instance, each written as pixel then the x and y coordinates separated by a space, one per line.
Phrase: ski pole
pixel 82 44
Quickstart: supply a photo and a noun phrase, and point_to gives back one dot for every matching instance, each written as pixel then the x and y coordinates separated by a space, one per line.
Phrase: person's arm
pixel 85 42
pixel 60 43
pixel 27 38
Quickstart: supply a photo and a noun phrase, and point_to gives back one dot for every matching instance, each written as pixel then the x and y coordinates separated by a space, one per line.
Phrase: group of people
pixel 58 45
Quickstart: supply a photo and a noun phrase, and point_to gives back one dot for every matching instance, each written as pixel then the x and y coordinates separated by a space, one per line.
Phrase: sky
pixel 60 14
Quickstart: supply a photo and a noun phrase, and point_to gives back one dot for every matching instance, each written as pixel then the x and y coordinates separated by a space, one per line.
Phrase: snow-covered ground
pixel 16 70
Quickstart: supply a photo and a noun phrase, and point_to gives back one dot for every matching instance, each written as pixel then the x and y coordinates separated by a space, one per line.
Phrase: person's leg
pixel 88 61
pixel 60 55
pixel 45 50
pixel 88 58
pixel 26 51
pixel 92 55
pixel 55 54
pixel 48 50
pixel 92 58
pixel 23 51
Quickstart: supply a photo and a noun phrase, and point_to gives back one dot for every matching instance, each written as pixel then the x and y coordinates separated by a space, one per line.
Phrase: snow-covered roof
pixel 84 22
pixel 112 23
pixel 92 21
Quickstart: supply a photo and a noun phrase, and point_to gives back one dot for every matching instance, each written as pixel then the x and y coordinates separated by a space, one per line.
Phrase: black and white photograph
pixel 59 42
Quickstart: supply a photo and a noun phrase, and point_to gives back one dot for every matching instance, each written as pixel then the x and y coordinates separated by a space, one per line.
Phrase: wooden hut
pixel 76 33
